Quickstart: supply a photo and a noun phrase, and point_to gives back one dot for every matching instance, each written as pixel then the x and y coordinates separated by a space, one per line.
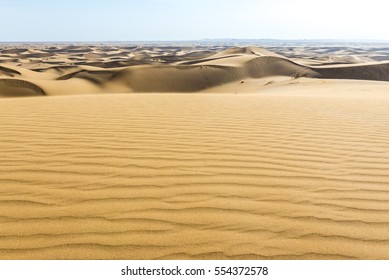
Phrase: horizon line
pixel 202 40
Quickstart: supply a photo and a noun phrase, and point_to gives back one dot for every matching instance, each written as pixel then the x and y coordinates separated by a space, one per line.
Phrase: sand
pixel 231 154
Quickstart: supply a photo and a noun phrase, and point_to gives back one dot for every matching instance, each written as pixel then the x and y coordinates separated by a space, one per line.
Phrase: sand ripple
pixel 224 176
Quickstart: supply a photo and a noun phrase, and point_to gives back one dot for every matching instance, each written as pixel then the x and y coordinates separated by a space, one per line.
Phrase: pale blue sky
pixel 126 20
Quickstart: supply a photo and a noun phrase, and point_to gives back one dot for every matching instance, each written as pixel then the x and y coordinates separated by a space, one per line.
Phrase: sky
pixel 139 20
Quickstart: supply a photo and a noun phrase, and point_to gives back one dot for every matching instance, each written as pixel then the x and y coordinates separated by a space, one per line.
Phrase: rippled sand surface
pixel 300 173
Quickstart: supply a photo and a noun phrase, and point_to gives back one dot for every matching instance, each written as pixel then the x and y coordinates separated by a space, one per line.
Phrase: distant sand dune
pixel 16 87
pixel 175 78
pixel 8 72
pixel 96 76
pixel 375 72
pixel 201 72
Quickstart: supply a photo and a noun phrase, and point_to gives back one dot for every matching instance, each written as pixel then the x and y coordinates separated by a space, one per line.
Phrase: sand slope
pixel 290 175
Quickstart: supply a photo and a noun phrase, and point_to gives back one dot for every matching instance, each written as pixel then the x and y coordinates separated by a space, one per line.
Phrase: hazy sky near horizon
pixel 126 20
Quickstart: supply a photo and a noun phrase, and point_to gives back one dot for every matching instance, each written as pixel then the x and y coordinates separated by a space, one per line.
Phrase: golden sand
pixel 291 169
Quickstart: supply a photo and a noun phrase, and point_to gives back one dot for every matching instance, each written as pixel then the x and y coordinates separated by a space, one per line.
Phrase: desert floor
pixel 196 152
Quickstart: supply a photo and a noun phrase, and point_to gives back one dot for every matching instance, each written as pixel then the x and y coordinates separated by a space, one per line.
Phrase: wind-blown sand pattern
pixel 279 164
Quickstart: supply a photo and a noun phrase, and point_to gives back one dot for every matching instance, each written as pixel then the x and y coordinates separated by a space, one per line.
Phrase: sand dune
pixel 16 87
pixel 293 166
pixel 158 70
pixel 376 71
